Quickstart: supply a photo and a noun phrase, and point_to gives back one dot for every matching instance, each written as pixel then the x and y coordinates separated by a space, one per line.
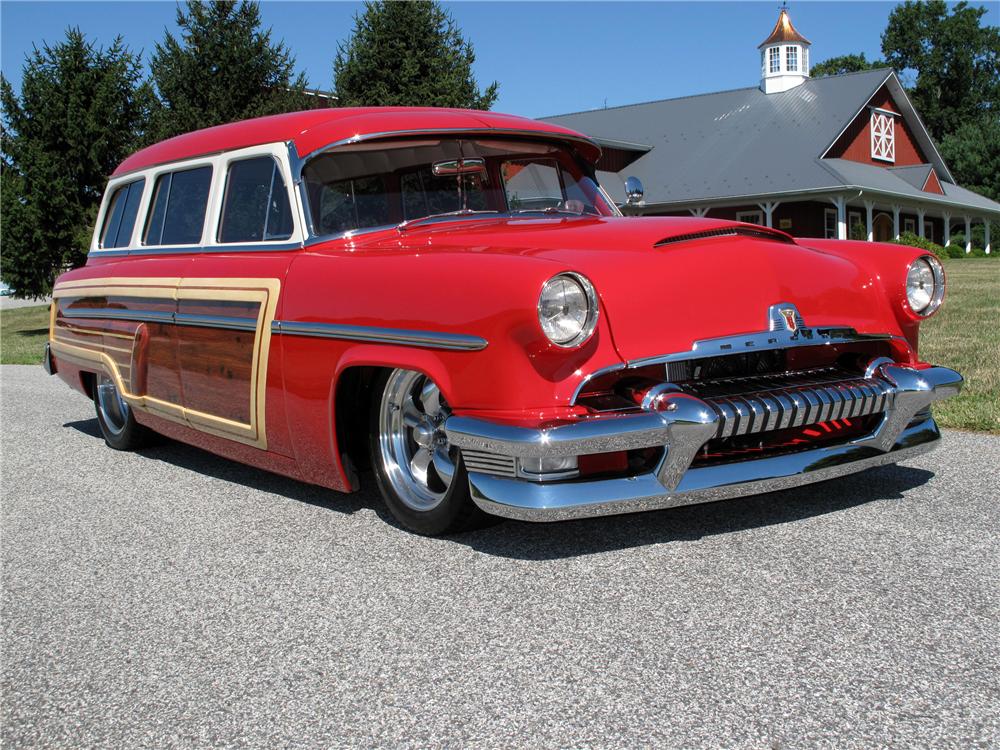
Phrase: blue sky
pixel 549 58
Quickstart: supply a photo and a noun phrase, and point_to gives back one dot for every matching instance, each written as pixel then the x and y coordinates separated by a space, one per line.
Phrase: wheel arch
pixel 351 398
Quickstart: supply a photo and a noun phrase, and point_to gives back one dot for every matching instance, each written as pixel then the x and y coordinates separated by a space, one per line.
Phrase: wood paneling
pixel 216 370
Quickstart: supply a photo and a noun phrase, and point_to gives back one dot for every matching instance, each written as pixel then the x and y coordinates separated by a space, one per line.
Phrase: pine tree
pixel 408 54
pixel 80 111
pixel 223 68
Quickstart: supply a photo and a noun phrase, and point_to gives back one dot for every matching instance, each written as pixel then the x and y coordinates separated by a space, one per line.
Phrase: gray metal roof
pixel 745 143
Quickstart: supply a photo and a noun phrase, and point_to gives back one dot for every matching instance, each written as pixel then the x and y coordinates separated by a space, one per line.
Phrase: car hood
pixel 665 283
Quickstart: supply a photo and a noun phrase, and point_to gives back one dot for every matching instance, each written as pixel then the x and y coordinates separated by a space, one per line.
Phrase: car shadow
pixel 194 459
pixel 550 541
pixel 529 541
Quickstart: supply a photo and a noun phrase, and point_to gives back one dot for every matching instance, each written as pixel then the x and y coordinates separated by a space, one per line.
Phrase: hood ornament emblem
pixel 785 316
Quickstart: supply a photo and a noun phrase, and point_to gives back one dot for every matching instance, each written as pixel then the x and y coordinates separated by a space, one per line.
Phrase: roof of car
pixel 317 128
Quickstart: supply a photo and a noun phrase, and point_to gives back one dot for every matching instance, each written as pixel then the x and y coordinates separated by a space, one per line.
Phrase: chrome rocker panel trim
pixel 683 425
pixel 401 336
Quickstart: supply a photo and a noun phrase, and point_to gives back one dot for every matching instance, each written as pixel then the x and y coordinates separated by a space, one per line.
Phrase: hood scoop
pixel 757 233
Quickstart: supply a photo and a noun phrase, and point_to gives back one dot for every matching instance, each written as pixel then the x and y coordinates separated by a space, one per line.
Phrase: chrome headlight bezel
pixel 592 312
pixel 936 295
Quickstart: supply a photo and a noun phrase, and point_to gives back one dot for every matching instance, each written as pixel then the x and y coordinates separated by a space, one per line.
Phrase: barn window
pixel 774 59
pixel 883 134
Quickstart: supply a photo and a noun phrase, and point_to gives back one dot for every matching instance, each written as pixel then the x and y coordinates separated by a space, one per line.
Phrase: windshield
pixel 385 184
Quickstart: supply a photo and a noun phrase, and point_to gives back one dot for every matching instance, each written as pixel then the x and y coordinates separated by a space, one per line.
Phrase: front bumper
pixel 683 424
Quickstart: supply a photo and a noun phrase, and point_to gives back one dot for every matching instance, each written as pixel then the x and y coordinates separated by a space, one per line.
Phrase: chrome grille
pixel 485 462
pixel 747 406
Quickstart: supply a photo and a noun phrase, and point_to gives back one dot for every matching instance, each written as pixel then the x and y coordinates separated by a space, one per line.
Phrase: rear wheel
pixel 114 415
pixel 421 477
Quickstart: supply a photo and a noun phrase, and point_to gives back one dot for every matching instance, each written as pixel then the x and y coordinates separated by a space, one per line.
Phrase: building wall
pixel 807 218
pixel 855 142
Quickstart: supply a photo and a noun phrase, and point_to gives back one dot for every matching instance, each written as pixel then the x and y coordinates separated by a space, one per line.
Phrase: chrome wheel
pixel 412 446
pixel 114 411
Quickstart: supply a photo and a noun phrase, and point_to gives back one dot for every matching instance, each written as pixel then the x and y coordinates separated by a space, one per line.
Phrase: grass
pixel 965 336
pixel 23 333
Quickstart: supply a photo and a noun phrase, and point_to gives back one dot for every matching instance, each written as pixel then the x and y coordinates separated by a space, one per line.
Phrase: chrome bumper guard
pixel 683 423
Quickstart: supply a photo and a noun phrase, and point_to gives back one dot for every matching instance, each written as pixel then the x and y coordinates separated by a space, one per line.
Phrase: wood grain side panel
pixel 216 370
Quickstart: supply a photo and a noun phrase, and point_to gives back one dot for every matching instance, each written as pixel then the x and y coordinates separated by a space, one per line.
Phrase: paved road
pixel 176 598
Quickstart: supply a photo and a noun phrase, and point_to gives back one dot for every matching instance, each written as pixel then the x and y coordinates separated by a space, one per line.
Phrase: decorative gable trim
pixel 910 116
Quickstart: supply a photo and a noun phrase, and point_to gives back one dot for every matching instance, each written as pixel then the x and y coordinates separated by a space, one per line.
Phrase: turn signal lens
pixel 567 309
pixel 925 285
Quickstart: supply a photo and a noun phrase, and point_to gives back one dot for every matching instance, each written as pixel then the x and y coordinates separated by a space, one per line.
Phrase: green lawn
pixel 965 336
pixel 23 333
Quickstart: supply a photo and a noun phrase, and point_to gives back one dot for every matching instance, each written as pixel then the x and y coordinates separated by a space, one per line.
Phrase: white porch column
pixel 947 228
pixel 968 234
pixel 841 203
pixel 895 222
pixel 699 212
pixel 869 206
pixel 920 223
pixel 768 208
pixel 986 233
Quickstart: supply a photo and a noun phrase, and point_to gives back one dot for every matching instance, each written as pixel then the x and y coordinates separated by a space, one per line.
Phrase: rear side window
pixel 177 215
pixel 256 205
pixel 119 220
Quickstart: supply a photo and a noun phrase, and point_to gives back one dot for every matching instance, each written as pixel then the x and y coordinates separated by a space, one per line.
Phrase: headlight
pixel 925 285
pixel 567 309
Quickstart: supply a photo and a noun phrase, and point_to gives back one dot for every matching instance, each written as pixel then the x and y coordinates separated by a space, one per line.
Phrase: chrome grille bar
pixel 793 401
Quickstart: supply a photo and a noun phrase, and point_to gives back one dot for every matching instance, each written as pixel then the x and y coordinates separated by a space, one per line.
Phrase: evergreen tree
pixel 80 111
pixel 408 54
pixel 223 68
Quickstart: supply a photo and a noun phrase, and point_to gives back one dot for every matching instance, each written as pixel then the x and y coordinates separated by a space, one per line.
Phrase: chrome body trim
pixel 682 424
pixel 739 344
pixel 236 247
pixel 526 501
pixel 48 363
pixel 400 336
pixel 763 341
pixel 157 316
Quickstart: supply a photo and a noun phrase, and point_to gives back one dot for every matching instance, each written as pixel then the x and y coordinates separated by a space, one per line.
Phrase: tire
pixel 422 479
pixel 115 417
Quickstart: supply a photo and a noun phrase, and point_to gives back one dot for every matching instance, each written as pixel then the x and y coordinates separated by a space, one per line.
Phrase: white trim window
pixel 751 217
pixel 883 135
pixel 910 225
pixel 929 230
pixel 774 60
pixel 792 58
pixel 830 223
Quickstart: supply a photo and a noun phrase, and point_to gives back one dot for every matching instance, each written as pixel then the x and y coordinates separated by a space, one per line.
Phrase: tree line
pixel 82 109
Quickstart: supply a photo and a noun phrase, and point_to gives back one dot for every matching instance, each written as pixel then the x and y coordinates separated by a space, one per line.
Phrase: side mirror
pixel 633 191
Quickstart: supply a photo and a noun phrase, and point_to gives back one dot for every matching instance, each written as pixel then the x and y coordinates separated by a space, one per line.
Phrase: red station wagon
pixel 449 298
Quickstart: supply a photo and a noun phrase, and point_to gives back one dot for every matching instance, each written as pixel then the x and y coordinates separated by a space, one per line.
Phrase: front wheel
pixel 114 415
pixel 421 477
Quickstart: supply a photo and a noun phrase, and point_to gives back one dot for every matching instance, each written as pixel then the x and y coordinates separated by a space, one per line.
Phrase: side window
pixel 352 204
pixel 177 215
pixel 121 214
pixel 256 205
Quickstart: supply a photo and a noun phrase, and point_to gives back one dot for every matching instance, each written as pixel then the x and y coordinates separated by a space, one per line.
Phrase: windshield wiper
pixel 403 225
pixel 549 210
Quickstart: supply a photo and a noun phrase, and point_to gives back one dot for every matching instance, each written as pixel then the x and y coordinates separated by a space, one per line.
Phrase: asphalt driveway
pixel 175 598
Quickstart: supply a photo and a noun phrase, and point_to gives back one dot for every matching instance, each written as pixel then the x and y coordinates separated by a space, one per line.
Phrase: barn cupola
pixel 784 57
